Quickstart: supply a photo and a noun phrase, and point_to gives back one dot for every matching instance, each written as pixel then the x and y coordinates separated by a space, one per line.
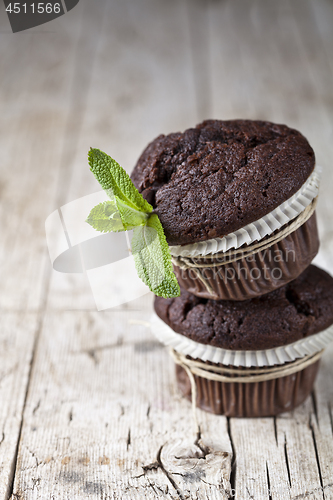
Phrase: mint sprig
pixel 105 217
pixel 152 258
pixel 116 181
pixel 127 209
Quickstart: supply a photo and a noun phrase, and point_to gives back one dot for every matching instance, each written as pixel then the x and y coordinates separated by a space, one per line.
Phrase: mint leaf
pixel 153 260
pixel 115 180
pixel 129 216
pixel 115 216
pixel 127 209
pixel 105 217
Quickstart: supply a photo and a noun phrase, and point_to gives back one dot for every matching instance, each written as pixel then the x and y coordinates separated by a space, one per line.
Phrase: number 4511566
pixel 40 8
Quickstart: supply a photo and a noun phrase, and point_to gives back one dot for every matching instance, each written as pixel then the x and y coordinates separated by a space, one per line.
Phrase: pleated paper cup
pixel 255 399
pixel 258 258
pixel 253 275
pixel 278 393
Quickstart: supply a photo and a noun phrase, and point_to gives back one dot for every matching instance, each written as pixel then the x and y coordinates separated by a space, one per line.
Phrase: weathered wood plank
pixel 102 417
pixel 36 87
pixel 300 452
pixel 290 457
pixel 321 423
pixel 260 461
pixel 32 130
pixel 17 337
pixel 198 25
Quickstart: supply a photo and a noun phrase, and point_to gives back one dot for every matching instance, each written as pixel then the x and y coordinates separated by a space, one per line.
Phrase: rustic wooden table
pixel 89 406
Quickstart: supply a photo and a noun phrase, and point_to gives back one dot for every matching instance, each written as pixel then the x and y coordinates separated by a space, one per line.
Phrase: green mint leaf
pixel 129 216
pixel 115 180
pixel 115 215
pixel 129 210
pixel 153 260
pixel 105 217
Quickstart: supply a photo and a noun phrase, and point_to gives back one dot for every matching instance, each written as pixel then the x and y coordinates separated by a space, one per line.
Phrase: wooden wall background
pixel 88 404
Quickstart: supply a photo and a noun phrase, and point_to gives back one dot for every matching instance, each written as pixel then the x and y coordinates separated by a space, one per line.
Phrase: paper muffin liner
pixel 257 230
pixel 267 357
pixel 256 399
pixel 251 275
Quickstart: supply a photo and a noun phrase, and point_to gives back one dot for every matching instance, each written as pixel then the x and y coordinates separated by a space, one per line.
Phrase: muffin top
pixel 294 311
pixel 221 175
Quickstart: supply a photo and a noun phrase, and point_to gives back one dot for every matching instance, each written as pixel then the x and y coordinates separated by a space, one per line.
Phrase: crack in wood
pixel 317 457
pixel 122 411
pixel 10 490
pixel 35 482
pixel 315 409
pixel 128 442
pixel 36 407
pixel 275 430
pixel 161 489
pixel 330 415
pixel 168 475
pixel 249 493
pixel 158 464
pixel 286 459
pixel 268 482
pixel 204 449
pixel 232 479
pixel 151 485
pixel 17 496
pixel 34 456
pixel 153 465
pixel 92 354
pixel 191 477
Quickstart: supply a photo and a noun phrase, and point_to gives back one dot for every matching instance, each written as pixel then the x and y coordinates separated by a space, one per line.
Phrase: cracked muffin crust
pixel 297 310
pixel 221 175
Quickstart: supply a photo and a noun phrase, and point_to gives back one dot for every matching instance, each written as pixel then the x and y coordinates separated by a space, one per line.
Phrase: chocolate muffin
pixel 231 195
pixel 301 308
pixel 272 363
pixel 218 177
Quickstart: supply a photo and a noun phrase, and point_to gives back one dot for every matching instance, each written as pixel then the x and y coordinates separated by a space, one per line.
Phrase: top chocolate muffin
pixel 221 175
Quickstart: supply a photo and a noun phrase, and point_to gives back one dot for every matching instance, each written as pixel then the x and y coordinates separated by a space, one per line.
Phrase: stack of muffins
pixel 237 202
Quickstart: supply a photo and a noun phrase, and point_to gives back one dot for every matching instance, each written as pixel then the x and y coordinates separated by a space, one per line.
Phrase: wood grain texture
pixel 89 406
pixel 16 350
pixel 118 427
pixel 32 128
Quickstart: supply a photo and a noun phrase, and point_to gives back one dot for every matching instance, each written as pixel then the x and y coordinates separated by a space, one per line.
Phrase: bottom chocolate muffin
pixel 295 311
pixel 275 341
pixel 254 399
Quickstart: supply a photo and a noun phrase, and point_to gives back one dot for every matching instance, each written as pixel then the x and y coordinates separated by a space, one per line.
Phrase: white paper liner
pixel 257 230
pixel 268 357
